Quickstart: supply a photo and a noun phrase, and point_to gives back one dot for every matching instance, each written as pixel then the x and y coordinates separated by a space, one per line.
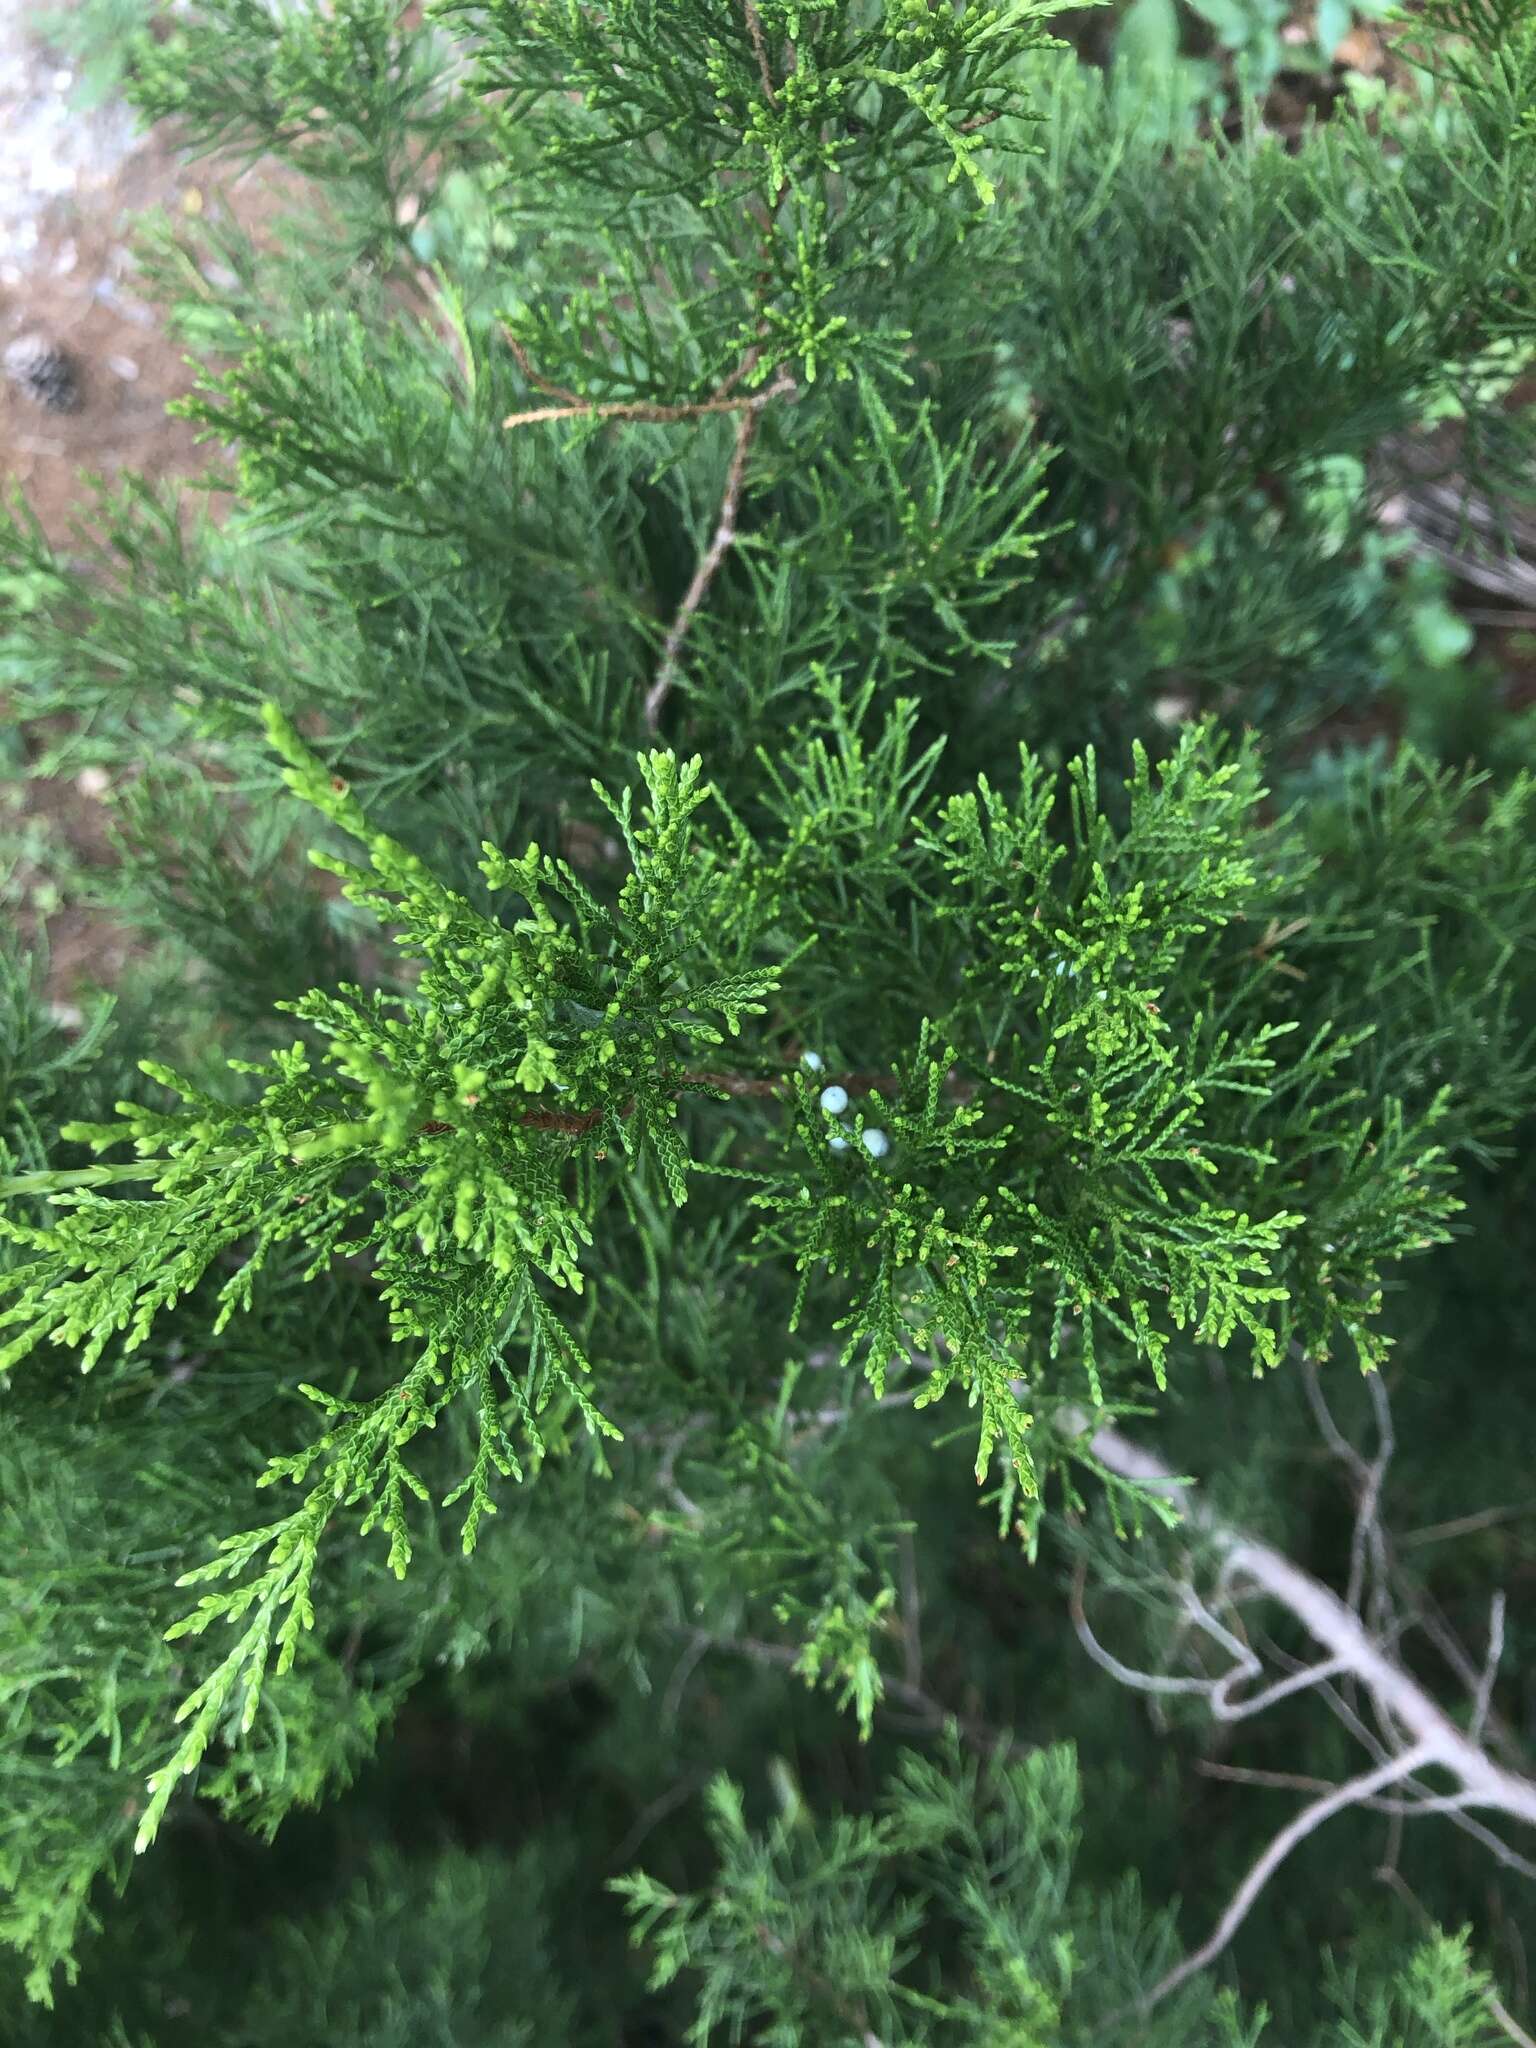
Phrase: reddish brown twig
pixel 577 1123
pixel 760 50
pixel 770 1084
pixel 737 1084
pixel 723 538
pixel 540 382
pixel 574 1123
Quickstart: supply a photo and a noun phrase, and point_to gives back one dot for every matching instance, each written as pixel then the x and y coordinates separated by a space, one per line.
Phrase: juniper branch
pixel 649 412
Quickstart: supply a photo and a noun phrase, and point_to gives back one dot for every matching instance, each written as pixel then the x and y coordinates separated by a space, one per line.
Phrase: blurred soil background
pixel 73 174
pixel 89 373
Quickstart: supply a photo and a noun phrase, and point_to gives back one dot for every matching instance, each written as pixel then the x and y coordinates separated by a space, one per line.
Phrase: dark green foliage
pixel 1149 1070
pixel 1206 346
pixel 1208 340
pixel 1127 1164
pixel 952 1915
pixel 763 535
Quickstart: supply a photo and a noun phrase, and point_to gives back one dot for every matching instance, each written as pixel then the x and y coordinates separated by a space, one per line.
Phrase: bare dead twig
pixel 1419 1797
pixel 644 411
pixel 1351 1793
pixel 1509 2023
pixel 1398 1810
pixel 1483 1697
pixel 723 538
pixel 1283 1781
pixel 1412 1732
pixel 1464 1525
pixel 1370 1478
pixel 1336 1627
pixel 1123 1674
pixel 1427 1616
pixel 911 1611
pixel 1216 1692
pixel 1503 2017
pixel 1370 1540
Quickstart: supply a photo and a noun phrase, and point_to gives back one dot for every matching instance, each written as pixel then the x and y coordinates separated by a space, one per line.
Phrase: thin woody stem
pixel 1330 1622
pixel 536 377
pixel 570 405
pixel 760 51
pixel 1417 1733
pixel 715 553
pixel 648 411
pixel 1355 1792
pixel 644 410
pixel 577 1123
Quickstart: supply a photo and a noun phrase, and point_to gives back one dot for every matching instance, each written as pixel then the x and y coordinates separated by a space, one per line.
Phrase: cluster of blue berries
pixel 834 1100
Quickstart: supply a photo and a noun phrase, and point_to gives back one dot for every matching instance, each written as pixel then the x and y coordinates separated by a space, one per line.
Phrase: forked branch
pixel 1413 1732
pixel 722 540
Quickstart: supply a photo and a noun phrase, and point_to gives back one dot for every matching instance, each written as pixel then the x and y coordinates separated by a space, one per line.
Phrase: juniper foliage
pixel 832 485
pixel 951 1914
